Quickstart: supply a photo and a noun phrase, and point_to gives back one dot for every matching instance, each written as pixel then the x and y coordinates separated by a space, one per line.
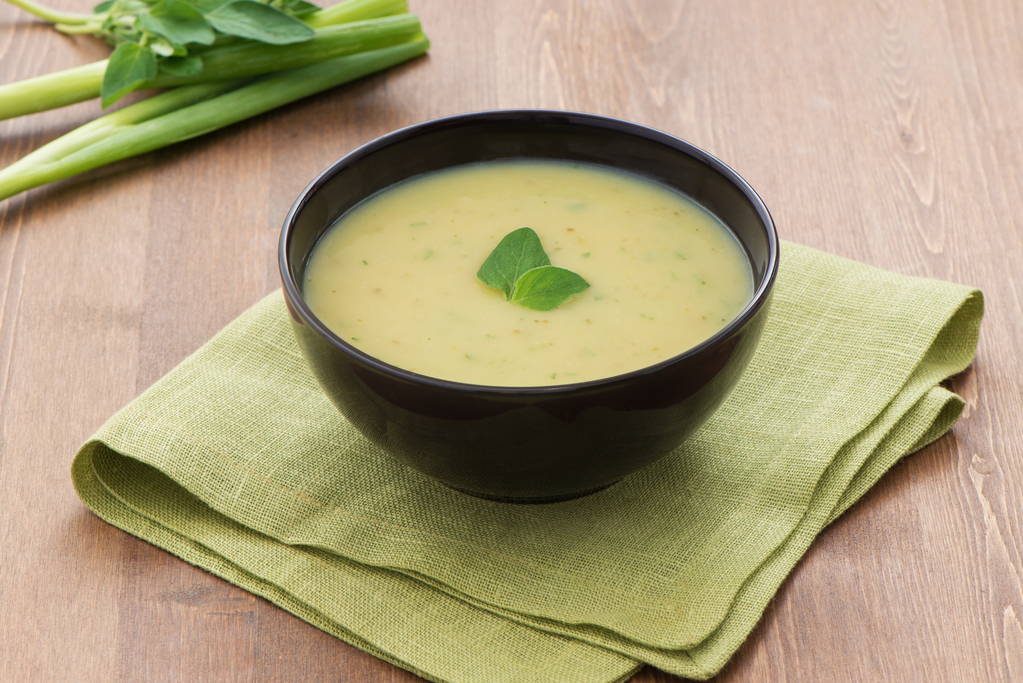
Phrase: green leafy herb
pixel 130 66
pixel 520 268
pixel 178 22
pixel 547 287
pixel 207 6
pixel 519 252
pixel 256 21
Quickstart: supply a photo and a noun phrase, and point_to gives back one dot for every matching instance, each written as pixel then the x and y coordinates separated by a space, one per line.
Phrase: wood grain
pixel 887 131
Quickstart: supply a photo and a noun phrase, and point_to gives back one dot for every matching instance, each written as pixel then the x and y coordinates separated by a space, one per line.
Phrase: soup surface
pixel 396 276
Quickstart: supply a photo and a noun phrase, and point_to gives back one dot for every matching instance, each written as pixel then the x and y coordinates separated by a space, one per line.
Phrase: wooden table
pixel 889 132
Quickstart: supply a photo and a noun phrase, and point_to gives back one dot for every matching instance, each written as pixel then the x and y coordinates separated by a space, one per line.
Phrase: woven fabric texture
pixel 236 462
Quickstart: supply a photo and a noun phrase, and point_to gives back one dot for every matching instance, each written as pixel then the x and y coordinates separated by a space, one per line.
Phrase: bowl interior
pixel 490 136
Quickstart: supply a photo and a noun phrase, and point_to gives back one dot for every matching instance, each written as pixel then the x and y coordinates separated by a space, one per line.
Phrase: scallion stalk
pixel 58 89
pixel 355 10
pixel 136 130
pixel 96 130
pixel 233 59
pixel 244 59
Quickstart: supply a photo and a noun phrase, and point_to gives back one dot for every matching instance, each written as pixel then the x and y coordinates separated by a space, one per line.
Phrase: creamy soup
pixel 396 275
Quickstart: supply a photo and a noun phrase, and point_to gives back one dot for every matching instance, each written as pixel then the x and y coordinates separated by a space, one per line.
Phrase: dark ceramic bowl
pixel 529 444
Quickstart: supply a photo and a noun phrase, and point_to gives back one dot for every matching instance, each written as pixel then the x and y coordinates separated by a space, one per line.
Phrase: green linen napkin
pixel 236 462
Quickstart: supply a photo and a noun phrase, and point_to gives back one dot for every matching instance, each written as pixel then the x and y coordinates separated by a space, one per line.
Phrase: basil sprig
pixel 520 268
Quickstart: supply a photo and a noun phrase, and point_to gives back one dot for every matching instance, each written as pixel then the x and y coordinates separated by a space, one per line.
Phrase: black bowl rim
pixel 759 298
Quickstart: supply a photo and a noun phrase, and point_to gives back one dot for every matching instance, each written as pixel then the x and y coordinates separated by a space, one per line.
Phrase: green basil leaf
pixel 178 22
pixel 207 6
pixel 182 66
pixel 130 65
pixel 518 252
pixel 547 287
pixel 103 7
pixel 256 21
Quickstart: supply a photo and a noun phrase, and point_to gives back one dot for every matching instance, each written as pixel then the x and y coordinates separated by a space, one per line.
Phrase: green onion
pixel 245 58
pixel 96 130
pixel 372 25
pixel 355 10
pixel 186 113
pixel 54 90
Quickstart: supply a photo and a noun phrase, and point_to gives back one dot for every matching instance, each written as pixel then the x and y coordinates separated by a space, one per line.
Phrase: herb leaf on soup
pixel 547 287
pixel 520 251
pixel 520 268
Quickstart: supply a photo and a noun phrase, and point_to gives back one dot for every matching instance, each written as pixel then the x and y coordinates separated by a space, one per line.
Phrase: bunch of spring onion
pixel 221 61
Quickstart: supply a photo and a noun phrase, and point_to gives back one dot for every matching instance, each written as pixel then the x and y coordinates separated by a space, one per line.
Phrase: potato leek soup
pixel 396 276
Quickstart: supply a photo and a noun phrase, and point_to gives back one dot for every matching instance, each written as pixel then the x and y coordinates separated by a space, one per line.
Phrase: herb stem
pixel 135 130
pixel 53 16
pixel 78 29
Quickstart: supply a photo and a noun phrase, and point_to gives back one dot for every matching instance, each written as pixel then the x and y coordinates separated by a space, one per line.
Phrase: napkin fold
pixel 236 462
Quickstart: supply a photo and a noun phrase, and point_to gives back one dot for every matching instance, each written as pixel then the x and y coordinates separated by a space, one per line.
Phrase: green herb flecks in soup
pixel 396 275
